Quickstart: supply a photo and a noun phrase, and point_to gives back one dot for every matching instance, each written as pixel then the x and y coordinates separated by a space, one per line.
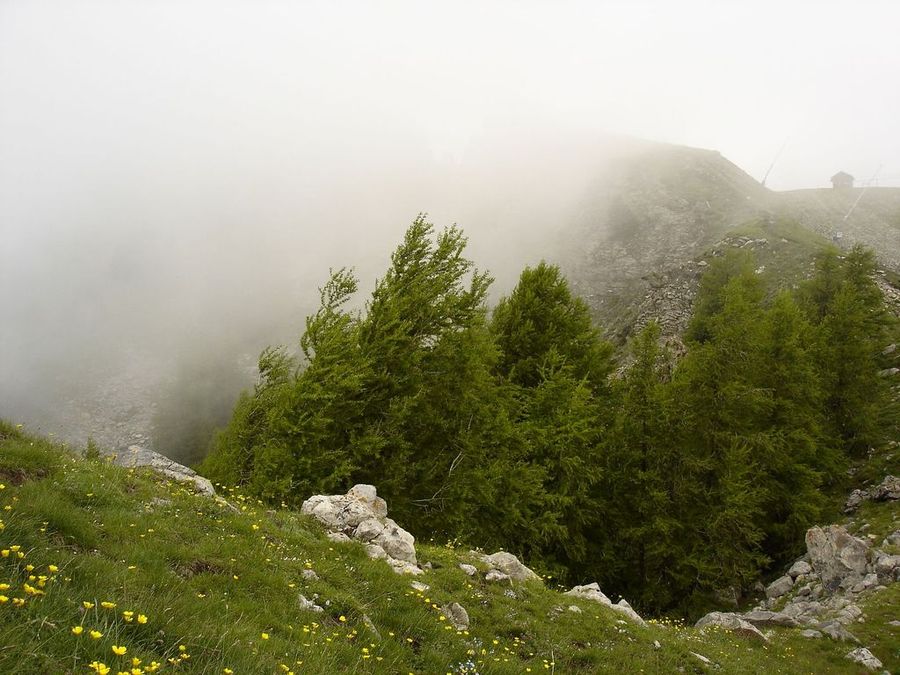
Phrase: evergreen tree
pixel 641 531
pixel 848 309
pixel 541 320
pixel 710 298
pixel 557 368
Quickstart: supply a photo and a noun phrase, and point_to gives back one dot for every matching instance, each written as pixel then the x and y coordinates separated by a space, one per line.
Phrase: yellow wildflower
pixel 77 630
pixel 96 634
pixel 119 651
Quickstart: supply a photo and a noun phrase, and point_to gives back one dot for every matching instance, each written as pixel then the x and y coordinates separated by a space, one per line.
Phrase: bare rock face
pixel 886 490
pixel 361 515
pixel 592 592
pixel 732 623
pixel 509 565
pixel 136 456
pixel 837 556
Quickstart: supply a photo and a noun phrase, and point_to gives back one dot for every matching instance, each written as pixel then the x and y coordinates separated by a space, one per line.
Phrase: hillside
pixel 867 215
pixel 642 231
pixel 99 559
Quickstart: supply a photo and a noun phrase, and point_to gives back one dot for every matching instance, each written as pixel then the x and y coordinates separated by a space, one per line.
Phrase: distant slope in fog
pixel 636 246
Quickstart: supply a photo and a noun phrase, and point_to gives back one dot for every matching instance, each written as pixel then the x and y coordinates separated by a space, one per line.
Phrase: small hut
pixel 842 181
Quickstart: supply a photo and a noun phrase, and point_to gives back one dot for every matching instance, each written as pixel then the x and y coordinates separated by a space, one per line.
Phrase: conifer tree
pixel 641 531
pixel 542 320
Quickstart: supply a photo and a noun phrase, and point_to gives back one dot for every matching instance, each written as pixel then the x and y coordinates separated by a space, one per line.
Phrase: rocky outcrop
pixel 361 515
pixel 733 623
pixel 886 490
pixel 592 592
pixel 820 591
pixel 136 456
pixel 837 557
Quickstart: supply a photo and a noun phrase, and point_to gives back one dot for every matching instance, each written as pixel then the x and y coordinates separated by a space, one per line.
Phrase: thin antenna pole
pixel 772 165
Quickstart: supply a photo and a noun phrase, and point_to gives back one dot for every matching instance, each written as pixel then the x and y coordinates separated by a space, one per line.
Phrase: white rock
pixel 838 557
pixel 590 592
pixel 397 542
pixel 733 623
pixel 779 587
pixel 798 568
pixel 362 515
pixel 702 658
pixel 865 658
pixel 457 615
pixel 509 565
pixel 593 593
pixel 309 605
pixel 470 570
pixel 136 456
pixel 494 575
pixel 368 529
pixel 623 607
pixel 375 552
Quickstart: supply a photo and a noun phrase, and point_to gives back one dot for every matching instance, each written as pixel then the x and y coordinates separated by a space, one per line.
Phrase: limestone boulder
pixel 508 564
pixel 733 623
pixel 593 593
pixel 781 586
pixel 136 457
pixel 762 617
pixel 361 515
pixel 799 568
pixel 865 658
pixel 836 556
pixel 456 615
pixel 887 567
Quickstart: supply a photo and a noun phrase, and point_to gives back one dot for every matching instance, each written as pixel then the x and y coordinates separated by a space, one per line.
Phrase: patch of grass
pixel 197 586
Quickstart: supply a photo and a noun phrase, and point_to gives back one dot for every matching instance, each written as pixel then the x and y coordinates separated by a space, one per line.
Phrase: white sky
pixel 125 81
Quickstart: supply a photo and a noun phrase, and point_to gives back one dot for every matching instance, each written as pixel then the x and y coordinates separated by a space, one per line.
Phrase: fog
pixel 177 178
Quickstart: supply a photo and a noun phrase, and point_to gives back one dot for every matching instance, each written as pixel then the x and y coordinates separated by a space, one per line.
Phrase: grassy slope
pixel 789 257
pixel 211 581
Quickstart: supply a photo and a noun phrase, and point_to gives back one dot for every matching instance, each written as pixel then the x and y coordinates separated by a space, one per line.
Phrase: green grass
pixel 212 579
pixel 789 255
